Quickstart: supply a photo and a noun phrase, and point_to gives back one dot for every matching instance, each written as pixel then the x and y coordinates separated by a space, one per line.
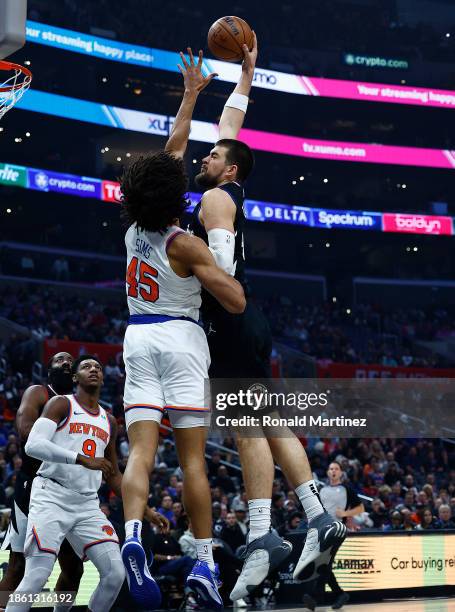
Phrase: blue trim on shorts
pixel 145 319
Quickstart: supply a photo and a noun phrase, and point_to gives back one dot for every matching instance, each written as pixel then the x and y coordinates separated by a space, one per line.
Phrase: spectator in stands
pixel 14 466
pixel 428 489
pixel 162 477
pixel 409 484
pixel 396 522
pixel 168 557
pixel 187 543
pixel 384 494
pixel 445 517
pixel 408 501
pixel 369 488
pixel 60 269
pixel 295 523
pixel 168 455
pixel 166 509
pixel 429 521
pixel 213 464
pixel 180 518
pixel 172 486
pixel 112 370
pixel 409 523
pixel 223 481
pixel 396 497
pixel 218 521
pixel 241 515
pixel 278 513
pixel 378 514
pixel 232 533
pixel 393 473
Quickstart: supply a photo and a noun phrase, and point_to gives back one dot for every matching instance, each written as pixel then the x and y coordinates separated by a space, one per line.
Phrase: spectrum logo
pixel 418 224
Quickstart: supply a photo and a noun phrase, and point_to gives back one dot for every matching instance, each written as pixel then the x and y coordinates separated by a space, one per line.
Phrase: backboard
pixel 13 15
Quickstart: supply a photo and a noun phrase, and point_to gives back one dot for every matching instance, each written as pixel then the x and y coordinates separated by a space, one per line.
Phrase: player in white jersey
pixel 165 349
pixel 75 440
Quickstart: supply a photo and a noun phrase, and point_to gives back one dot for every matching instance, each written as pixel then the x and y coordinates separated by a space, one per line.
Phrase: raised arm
pixel 191 253
pixel 194 82
pixel 233 115
pixel 217 216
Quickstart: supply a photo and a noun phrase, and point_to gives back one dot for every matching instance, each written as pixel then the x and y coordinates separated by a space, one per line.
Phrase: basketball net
pixel 14 82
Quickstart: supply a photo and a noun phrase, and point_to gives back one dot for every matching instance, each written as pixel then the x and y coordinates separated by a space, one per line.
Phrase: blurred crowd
pixel 365 333
pixel 314 24
pixel 327 332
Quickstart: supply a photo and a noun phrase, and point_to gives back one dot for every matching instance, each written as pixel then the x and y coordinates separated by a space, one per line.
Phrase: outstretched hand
pixel 193 78
pixel 250 57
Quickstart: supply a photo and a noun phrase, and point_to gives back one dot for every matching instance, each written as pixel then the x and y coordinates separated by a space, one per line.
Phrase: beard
pixel 61 380
pixel 203 179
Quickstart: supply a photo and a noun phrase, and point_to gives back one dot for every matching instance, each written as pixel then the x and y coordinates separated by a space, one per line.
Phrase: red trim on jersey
pixel 38 543
pixel 188 408
pixel 84 556
pixel 172 237
pixel 70 413
pixel 93 414
pixel 150 406
pixel 109 425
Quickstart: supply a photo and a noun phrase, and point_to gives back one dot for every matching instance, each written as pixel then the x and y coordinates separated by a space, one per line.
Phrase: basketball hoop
pixel 13 87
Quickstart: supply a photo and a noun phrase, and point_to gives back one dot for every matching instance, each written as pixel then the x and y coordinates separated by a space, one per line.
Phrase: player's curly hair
pixel 154 191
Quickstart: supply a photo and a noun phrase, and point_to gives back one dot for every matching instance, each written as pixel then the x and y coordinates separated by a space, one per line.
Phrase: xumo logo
pixel 263 77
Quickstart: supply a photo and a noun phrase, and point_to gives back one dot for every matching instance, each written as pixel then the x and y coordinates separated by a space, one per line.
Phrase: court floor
pixel 413 605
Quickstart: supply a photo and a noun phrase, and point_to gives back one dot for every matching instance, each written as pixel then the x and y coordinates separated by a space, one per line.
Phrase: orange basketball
pixel 226 37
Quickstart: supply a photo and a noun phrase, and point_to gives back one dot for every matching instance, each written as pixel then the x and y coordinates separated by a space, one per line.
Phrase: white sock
pixel 260 520
pixel 205 551
pixel 310 500
pixel 133 529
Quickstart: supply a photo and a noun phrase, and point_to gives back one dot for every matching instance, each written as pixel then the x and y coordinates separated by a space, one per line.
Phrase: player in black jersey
pixel 60 382
pixel 240 347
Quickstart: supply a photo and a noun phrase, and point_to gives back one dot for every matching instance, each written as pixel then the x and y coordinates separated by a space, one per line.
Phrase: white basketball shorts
pixel 166 366
pixel 57 513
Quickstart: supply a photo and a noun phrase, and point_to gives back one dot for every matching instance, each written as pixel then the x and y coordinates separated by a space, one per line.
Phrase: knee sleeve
pixel 38 568
pixel 108 561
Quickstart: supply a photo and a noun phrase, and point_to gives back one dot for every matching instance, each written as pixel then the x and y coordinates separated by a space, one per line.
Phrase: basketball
pixel 226 37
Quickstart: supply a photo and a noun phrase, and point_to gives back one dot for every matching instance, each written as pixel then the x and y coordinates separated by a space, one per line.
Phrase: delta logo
pixel 108 529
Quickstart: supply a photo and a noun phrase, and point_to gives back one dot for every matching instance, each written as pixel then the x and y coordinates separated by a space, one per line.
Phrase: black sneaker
pixel 262 556
pixel 323 532
pixel 339 602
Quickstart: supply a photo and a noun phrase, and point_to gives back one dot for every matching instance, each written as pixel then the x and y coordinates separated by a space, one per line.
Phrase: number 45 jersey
pixel 87 434
pixel 152 286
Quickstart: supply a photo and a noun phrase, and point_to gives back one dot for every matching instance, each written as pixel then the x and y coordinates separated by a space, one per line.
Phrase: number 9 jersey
pixel 86 433
pixel 152 286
